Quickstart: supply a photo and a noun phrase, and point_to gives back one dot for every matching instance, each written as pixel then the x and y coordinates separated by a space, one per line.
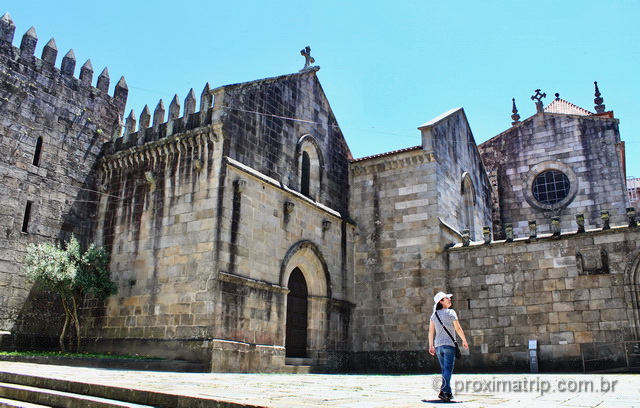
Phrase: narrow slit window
pixel 36 154
pixel 306 174
pixel 27 216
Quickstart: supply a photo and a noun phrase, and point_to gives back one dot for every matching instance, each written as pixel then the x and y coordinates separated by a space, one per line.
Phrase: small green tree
pixel 73 275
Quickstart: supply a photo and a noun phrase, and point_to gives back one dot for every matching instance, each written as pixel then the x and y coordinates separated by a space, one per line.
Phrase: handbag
pixel 458 353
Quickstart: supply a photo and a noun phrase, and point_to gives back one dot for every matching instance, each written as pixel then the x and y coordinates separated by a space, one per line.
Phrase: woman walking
pixel 442 340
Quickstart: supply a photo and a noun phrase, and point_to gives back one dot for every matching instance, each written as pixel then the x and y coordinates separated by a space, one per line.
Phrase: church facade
pixel 242 233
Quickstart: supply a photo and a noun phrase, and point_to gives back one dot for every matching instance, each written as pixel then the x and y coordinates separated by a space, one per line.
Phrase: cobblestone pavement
pixel 360 391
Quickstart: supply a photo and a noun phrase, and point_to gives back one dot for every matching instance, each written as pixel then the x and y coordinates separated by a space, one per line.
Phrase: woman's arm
pixel 432 334
pixel 460 332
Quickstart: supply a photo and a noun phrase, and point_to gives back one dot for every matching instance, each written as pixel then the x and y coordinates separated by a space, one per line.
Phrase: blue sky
pixel 386 66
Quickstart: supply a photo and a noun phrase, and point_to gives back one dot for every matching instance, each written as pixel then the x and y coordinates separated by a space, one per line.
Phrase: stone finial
pixel 486 233
pixel 174 109
pixel 50 52
pixel 557 96
pixel 68 65
pixel 598 100
pixel 466 238
pixel 555 226
pixel 7 28
pixel 508 232
pixel 121 92
pixel 28 44
pixel 580 222
pixel 158 114
pixel 130 124
pixel 103 81
pixel 631 216
pixel 538 100
pixel 117 127
pixel 306 53
pixel 190 103
pixel 515 117
pixel 604 215
pixel 206 99
pixel 533 229
pixel 145 118
pixel 86 72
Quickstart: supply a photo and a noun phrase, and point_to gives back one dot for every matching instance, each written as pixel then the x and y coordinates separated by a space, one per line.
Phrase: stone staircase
pixel 19 390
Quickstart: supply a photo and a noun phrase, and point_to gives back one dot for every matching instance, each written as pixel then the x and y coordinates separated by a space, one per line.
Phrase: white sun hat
pixel 438 297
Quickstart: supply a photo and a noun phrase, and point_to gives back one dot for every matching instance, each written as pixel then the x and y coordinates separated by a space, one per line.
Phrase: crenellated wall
pixel 52 129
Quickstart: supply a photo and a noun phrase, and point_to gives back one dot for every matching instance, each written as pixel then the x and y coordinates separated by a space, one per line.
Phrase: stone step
pixel 7 403
pixel 71 394
pixel 127 364
pixel 298 365
pixel 53 398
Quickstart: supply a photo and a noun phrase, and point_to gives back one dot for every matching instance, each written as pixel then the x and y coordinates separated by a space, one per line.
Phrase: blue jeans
pixel 446 358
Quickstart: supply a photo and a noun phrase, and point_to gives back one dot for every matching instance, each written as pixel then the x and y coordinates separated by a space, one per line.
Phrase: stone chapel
pixel 243 234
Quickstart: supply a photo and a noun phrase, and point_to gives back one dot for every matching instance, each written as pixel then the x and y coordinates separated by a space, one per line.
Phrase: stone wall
pixel 464 193
pixel 53 126
pixel 585 148
pixel 268 122
pixel 157 221
pixel 567 292
pixel 408 206
pixel 202 244
pixel 396 257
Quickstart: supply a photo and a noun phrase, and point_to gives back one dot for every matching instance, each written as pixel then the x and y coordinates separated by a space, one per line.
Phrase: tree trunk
pixel 67 317
pixel 77 323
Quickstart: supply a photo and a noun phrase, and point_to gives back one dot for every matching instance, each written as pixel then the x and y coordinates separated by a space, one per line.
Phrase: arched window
pixel 468 204
pixel 306 174
pixel 36 154
pixel 310 166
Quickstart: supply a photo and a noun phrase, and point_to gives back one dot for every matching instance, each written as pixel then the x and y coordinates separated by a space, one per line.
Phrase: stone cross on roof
pixel 538 98
pixel 306 53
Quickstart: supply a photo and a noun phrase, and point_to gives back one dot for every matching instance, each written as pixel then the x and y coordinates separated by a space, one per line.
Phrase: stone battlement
pixel 149 129
pixel 21 60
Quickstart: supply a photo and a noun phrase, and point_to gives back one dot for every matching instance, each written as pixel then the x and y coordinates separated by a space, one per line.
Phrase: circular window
pixel 550 187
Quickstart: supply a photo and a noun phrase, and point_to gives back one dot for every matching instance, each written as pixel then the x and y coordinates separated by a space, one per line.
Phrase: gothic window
pixel 36 154
pixel 306 173
pixel 550 187
pixel 27 217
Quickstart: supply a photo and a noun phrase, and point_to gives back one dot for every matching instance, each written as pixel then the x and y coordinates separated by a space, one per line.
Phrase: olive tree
pixel 72 274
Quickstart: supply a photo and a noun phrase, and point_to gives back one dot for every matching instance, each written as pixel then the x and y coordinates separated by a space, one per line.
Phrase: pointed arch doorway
pixel 297 316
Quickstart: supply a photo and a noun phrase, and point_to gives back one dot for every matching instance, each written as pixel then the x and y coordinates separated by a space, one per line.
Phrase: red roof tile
pixel 567 108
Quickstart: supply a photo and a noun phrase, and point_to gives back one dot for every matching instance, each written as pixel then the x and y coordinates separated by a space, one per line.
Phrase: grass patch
pixel 98 356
